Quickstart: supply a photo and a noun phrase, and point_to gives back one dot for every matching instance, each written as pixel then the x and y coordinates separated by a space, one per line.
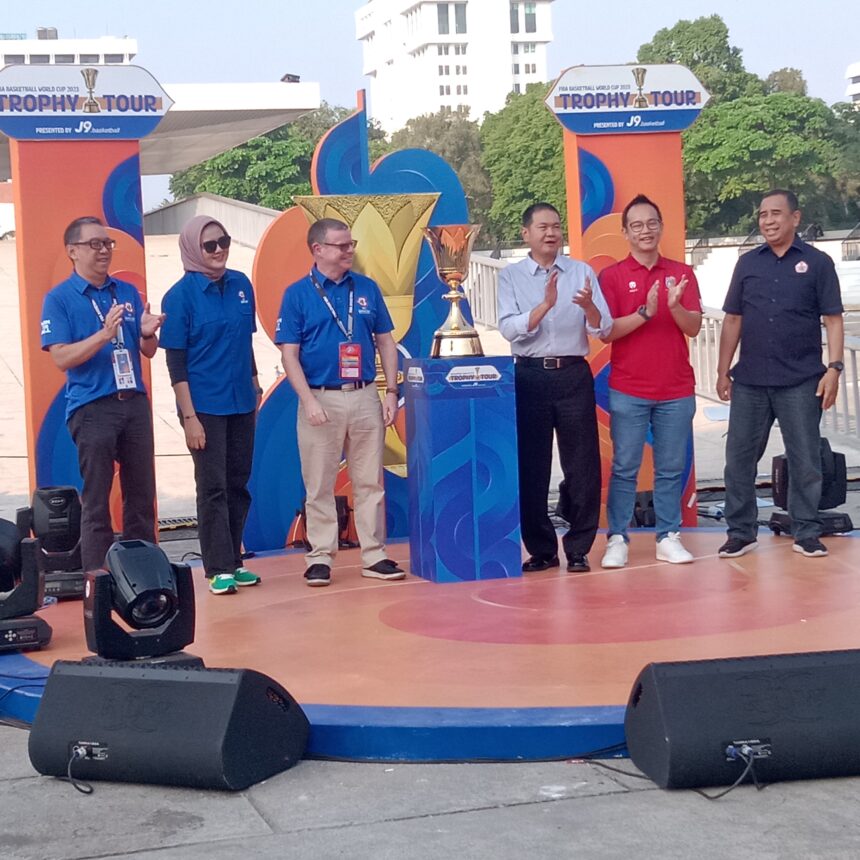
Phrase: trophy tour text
pixel 71 103
pixel 599 100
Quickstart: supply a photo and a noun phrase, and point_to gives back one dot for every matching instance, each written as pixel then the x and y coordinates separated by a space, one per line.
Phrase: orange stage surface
pixel 551 649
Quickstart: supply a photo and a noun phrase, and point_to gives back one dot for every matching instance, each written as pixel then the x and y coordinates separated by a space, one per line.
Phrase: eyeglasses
pixel 222 242
pixel 343 247
pixel 98 244
pixel 639 226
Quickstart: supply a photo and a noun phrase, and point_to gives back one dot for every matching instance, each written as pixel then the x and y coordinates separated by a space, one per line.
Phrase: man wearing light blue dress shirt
pixel 548 306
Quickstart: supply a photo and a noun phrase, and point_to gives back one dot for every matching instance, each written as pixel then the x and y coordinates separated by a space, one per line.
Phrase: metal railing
pixel 851 245
pixel 699 251
pixel 705 351
pixel 482 289
pixel 753 240
pixel 841 420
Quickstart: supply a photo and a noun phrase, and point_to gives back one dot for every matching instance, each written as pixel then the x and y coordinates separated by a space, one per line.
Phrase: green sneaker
pixel 222 583
pixel 243 576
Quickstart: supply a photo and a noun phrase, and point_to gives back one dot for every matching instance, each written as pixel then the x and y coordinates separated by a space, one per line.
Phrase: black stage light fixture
pixel 55 519
pixel 24 591
pixel 834 485
pixel 151 595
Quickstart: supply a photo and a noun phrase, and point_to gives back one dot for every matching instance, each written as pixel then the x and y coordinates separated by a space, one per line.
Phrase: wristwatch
pixel 643 312
pixel 836 365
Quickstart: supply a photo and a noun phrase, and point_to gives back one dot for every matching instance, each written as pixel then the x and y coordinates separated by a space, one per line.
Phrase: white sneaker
pixel 672 550
pixel 616 552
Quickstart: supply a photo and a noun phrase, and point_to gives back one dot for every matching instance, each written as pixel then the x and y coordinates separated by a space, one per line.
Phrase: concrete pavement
pixel 390 812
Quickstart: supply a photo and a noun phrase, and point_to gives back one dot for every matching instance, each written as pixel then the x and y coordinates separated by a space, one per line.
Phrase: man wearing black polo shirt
pixel 778 296
pixel 330 325
pixel 95 328
pixel 548 306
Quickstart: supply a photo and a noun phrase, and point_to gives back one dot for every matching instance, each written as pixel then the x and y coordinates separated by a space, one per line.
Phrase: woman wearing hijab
pixel 210 318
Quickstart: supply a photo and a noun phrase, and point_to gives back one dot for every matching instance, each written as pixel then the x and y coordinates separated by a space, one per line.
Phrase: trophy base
pixel 456 344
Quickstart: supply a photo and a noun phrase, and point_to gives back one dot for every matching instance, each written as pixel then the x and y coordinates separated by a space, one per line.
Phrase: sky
pixel 261 40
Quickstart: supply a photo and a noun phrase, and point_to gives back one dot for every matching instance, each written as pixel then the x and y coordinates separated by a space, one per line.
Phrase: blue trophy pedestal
pixel 463 485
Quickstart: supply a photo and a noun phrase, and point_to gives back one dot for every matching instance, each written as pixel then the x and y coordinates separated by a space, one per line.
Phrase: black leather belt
pixel 548 362
pixel 347 386
pixel 127 394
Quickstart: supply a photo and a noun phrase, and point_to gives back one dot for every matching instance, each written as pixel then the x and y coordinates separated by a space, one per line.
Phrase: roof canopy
pixel 207 119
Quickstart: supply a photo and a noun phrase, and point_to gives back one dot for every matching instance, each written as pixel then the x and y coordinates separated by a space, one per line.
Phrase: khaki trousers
pixel 355 431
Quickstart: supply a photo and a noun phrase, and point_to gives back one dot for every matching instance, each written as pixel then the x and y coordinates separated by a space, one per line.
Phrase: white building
pixel 852 93
pixel 48 49
pixel 424 55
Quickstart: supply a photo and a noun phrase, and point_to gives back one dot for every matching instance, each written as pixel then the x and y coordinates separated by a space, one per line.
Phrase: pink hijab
pixel 189 246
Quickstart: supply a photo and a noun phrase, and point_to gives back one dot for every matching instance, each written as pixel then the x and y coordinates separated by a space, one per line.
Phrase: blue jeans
pixel 671 426
pixel 754 408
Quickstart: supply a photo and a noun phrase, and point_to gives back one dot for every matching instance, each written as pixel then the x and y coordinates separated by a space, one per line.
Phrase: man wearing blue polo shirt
pixel 95 328
pixel 779 294
pixel 330 325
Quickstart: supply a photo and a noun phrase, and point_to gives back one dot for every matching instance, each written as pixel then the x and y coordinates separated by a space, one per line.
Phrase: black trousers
pixel 221 472
pixel 562 402
pixel 108 431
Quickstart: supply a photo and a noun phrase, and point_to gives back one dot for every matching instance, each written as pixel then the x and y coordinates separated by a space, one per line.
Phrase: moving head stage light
pixel 55 519
pixel 23 593
pixel 152 596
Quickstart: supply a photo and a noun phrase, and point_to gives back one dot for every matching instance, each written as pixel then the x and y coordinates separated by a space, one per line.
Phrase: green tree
pixel 451 135
pixel 523 155
pixel 703 47
pixel 267 170
pixel 738 149
pixel 840 202
pixel 785 80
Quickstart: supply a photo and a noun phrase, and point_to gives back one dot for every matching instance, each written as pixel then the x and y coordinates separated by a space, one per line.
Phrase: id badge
pixel 350 360
pixel 123 370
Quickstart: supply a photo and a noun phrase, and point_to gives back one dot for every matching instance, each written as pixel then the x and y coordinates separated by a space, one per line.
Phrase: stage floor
pixel 538 667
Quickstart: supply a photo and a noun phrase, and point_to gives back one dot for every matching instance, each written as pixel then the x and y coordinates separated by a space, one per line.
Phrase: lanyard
pixel 347 332
pixel 119 340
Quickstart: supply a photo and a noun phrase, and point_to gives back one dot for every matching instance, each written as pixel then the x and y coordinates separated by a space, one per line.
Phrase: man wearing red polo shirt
pixel 655 306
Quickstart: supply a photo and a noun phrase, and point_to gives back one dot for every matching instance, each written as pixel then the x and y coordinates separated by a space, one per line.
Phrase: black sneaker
pixel 385 569
pixel 318 574
pixel 810 547
pixel 578 563
pixel 735 547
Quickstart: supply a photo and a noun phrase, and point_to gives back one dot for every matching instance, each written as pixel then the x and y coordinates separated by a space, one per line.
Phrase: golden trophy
pixel 389 230
pixel 90 105
pixel 452 248
pixel 640 101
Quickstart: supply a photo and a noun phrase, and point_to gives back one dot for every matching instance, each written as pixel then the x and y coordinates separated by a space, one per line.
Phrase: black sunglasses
pixel 223 243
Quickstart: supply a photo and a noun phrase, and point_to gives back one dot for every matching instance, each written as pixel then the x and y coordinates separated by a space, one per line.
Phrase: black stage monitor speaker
pixel 202 728
pixel 834 479
pixel 794 714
